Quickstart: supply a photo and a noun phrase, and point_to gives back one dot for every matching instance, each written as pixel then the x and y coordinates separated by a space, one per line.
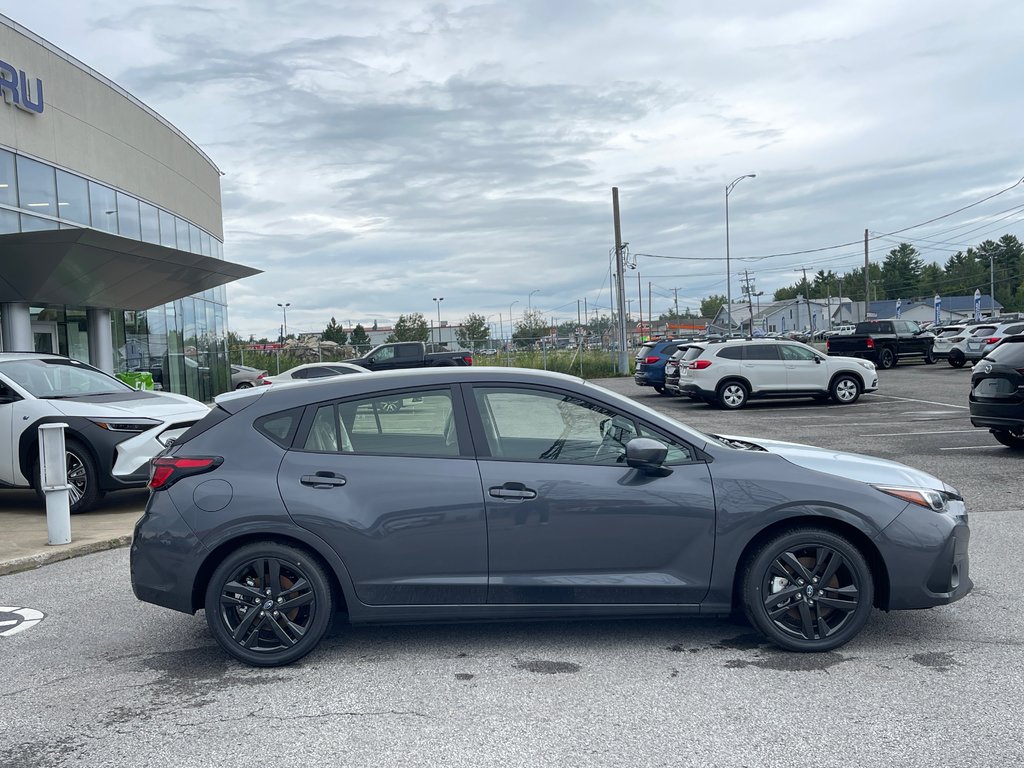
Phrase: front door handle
pixel 512 491
pixel 323 480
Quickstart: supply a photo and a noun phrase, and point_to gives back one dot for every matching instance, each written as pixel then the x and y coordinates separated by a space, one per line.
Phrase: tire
pixel 929 358
pixel 886 358
pixel 244 385
pixel 82 477
pixel 391 406
pixel 956 358
pixel 732 395
pixel 659 388
pixel 783 601
pixel 1009 439
pixel 258 633
pixel 845 389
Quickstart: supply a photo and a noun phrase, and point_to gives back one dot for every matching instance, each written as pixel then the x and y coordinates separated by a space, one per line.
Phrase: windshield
pixel 60 377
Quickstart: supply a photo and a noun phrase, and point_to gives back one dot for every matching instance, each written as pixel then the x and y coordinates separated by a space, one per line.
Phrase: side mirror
pixel 371 359
pixel 647 454
pixel 817 360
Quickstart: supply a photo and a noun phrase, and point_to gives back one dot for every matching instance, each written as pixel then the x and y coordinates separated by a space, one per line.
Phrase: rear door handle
pixel 323 480
pixel 512 492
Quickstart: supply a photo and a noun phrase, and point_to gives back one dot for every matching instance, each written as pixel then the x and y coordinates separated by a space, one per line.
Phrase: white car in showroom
pixel 113 430
pixel 730 373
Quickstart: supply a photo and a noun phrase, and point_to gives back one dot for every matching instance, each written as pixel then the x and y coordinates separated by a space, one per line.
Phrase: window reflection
pixel 37 187
pixel 149 223
pixel 8 183
pixel 72 198
pixel 167 232
pixel 128 216
pixel 103 206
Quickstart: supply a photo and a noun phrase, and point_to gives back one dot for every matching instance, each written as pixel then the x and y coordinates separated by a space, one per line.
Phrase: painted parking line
pixel 974 448
pixel 929 432
pixel 831 424
pixel 926 402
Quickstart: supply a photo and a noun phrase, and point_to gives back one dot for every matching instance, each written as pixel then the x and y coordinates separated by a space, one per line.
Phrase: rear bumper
pixel 644 379
pixel 1007 415
pixel 164 556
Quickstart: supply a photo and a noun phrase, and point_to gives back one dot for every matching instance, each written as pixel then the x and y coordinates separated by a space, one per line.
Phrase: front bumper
pixel 926 555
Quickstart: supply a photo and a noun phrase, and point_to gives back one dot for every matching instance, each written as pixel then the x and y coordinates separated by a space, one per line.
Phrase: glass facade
pixel 183 343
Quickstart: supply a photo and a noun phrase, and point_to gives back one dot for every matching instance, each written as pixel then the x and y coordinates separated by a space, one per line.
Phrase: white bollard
pixel 53 480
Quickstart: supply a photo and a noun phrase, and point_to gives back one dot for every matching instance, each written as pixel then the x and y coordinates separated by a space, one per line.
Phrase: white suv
pixel 113 430
pixel 732 372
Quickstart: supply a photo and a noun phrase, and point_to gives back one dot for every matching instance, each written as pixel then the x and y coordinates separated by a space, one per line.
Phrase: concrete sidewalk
pixel 23 537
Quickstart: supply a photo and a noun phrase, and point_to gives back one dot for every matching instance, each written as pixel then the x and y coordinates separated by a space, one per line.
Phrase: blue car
pixel 650 363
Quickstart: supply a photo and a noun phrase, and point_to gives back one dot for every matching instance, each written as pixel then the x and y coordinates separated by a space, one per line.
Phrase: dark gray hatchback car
pixel 506 493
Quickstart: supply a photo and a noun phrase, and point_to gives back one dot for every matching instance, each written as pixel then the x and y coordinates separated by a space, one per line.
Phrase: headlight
pixel 923 497
pixel 866 364
pixel 126 425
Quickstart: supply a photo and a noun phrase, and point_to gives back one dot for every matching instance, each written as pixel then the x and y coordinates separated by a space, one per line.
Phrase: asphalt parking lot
pixel 106 680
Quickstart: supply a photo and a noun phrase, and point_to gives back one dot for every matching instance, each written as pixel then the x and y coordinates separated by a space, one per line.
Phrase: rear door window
pixel 762 352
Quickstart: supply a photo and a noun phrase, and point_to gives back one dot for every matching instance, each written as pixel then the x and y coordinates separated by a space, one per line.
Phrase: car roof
pixel 7 356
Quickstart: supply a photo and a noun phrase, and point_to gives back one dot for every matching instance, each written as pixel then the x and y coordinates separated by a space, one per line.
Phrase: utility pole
pixel 750 300
pixel 620 285
pixel 675 301
pixel 650 314
pixel 807 301
pixel 867 279
pixel 991 284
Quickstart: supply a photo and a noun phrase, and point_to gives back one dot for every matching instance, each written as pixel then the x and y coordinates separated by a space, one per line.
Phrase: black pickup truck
pixel 409 354
pixel 885 342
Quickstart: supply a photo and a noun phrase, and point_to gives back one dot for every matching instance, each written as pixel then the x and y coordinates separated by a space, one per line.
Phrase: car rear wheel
pixel 845 389
pixel 268 604
pixel 391 406
pixel 808 590
pixel 732 395
pixel 244 385
pixel 886 358
pixel 83 479
pixel 956 358
pixel 1009 439
pixel 929 358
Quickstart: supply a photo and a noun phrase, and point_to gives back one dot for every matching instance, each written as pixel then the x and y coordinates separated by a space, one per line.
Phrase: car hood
pixel 142 404
pixel 853 466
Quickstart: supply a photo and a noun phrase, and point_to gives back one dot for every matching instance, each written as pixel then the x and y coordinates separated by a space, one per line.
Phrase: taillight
pixel 871 343
pixel 167 470
pixel 467 359
pixel 700 365
pixel 651 359
pixel 993 340
pixel 828 344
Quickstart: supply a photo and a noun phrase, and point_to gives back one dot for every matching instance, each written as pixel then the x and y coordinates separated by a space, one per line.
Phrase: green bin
pixel 137 379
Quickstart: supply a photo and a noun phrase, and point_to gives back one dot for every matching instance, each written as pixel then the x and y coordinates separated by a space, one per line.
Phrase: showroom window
pixel 181 230
pixel 8 181
pixel 103 205
pixel 167 235
pixel 128 216
pixel 149 223
pixel 72 198
pixel 37 187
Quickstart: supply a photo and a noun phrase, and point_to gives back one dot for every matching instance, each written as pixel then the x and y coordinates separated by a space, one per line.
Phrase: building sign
pixel 17 89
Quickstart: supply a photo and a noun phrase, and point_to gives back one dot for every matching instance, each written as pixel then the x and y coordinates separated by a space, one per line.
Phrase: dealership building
pixel 111 231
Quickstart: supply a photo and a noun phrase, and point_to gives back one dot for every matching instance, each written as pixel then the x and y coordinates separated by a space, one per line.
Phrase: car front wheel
pixel 83 479
pixel 808 590
pixel 845 390
pixel 732 395
pixel 1009 439
pixel 268 604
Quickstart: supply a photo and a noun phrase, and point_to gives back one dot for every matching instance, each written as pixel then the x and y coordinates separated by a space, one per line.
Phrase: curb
pixel 66 552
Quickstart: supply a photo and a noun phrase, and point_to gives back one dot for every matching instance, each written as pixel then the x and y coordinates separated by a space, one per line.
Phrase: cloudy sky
pixel 380 154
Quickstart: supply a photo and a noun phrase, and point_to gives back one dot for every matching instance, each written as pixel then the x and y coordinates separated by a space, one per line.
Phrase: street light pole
pixel 728 271
pixel 284 317
pixel 529 304
pixel 437 303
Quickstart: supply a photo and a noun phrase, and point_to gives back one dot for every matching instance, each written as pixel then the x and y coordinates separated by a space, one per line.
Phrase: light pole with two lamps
pixel 728 271
pixel 437 303
pixel 284 318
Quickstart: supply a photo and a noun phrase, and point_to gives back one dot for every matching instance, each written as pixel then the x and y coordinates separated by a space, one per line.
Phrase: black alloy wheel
pixel 956 358
pixel 390 406
pixel 1009 439
pixel 886 358
pixel 83 479
pixel 808 590
pixel 244 385
pixel 660 389
pixel 845 389
pixel 268 604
